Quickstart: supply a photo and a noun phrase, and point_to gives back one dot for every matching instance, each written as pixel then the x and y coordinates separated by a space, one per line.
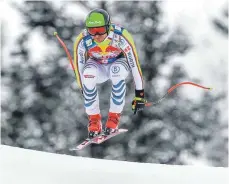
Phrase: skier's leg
pixel 93 73
pixel 118 73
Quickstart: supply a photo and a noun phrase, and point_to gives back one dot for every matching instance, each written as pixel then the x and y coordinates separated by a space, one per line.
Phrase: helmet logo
pixel 94 22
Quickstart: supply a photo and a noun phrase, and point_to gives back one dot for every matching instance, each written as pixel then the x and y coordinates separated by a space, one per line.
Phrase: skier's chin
pixel 100 38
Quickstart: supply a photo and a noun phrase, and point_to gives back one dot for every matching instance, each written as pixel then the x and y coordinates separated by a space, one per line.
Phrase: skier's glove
pixel 138 104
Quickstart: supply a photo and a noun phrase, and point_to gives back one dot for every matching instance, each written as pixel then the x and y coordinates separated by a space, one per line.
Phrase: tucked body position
pixel 106 51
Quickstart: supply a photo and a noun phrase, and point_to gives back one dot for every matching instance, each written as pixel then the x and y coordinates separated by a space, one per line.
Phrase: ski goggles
pixel 97 30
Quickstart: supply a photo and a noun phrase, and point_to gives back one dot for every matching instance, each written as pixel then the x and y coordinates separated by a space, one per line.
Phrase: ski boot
pixel 112 123
pixel 94 125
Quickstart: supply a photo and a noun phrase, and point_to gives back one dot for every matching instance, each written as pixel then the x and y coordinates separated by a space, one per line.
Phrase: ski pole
pixel 66 50
pixel 173 88
pixel 68 54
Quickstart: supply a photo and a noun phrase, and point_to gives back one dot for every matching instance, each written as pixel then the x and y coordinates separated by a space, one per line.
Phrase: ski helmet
pixel 98 18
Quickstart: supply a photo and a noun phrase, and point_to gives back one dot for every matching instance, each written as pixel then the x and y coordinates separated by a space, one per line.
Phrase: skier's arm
pixel 130 52
pixel 79 58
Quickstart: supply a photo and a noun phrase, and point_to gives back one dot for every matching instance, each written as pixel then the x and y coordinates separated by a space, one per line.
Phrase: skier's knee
pixel 118 72
pixel 89 74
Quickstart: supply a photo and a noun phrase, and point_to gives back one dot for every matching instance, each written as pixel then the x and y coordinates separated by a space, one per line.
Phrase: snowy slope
pixel 22 166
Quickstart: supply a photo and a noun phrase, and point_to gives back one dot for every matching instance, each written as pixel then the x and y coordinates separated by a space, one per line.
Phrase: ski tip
pixel 123 130
pixel 74 149
pixel 55 33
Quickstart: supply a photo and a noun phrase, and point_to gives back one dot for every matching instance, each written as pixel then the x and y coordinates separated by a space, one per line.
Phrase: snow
pixel 24 166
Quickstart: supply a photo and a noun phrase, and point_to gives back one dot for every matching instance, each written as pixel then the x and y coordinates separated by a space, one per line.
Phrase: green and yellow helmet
pixel 98 18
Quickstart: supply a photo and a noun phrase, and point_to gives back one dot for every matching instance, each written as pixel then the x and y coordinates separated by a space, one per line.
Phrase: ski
pixel 97 140
pixel 85 143
pixel 100 139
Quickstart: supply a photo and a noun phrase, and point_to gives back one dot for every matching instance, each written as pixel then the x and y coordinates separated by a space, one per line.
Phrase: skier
pixel 106 51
